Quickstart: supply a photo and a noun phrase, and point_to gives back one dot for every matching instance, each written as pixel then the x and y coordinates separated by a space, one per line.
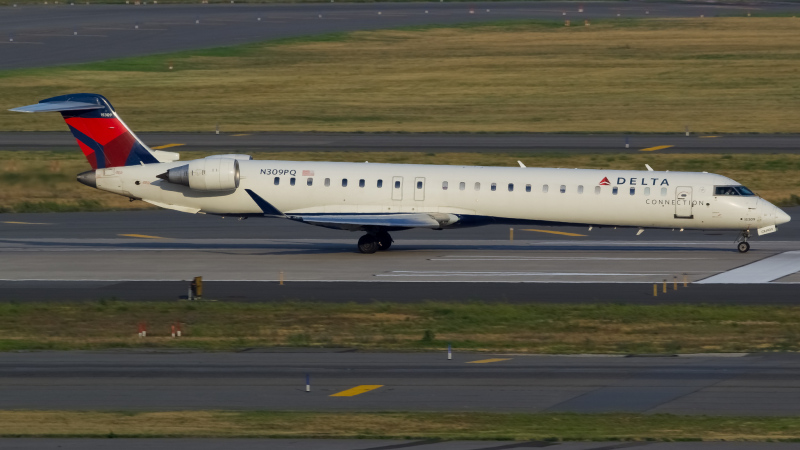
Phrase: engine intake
pixel 213 174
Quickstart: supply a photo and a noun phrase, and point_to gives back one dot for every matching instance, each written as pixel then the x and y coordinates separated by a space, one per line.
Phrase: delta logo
pixel 637 181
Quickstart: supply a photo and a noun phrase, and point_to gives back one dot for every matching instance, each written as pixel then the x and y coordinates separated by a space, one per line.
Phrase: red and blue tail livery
pixel 102 136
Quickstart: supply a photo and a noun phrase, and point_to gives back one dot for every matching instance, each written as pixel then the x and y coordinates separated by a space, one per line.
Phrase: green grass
pixel 728 75
pixel 398 425
pixel 44 181
pixel 469 325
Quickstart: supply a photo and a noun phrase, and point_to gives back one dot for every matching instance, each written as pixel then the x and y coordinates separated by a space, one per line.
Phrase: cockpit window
pixel 732 190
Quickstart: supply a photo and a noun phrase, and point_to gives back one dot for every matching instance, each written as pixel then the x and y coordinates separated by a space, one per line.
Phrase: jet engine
pixel 210 174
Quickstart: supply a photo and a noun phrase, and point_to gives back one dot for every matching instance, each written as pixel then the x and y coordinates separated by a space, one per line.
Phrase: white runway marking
pixel 763 271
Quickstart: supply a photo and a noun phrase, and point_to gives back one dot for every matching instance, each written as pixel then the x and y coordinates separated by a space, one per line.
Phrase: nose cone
pixel 781 217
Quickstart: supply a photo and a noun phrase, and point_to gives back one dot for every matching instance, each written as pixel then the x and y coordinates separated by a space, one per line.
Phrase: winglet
pixel 265 206
pixel 521 165
pixel 649 169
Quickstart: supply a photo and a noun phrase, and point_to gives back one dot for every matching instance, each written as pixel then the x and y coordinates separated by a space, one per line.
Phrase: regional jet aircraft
pixel 379 198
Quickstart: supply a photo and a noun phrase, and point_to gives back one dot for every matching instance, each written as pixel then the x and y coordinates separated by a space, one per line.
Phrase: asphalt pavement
pixel 55 34
pixel 532 143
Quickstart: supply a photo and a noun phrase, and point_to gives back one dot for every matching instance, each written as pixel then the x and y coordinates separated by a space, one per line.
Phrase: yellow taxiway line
pixel 143 236
pixel 486 361
pixel 352 392
pixel 26 223
pixel 658 147
pixel 563 233
pixel 705 137
pixel 162 147
pixel 242 134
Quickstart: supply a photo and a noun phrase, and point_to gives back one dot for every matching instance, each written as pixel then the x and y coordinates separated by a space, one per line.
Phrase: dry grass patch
pixel 398 425
pixel 653 75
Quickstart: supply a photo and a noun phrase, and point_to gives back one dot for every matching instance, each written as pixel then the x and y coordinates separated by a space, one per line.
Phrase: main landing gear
pixel 371 243
pixel 742 243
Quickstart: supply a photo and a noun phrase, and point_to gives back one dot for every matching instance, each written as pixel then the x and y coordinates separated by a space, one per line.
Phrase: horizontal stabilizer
pixel 58 106
pixel 399 220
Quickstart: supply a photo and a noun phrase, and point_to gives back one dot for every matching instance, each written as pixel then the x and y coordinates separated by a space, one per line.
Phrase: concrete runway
pixel 424 142
pixel 372 444
pixel 149 255
pixel 62 34
pixel 732 384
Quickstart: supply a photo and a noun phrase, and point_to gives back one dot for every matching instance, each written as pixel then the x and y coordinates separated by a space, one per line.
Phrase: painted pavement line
pixel 358 390
pixel 27 223
pixel 562 233
pixel 143 236
pixel 162 147
pixel 658 147
pixel 490 360
pixel 763 271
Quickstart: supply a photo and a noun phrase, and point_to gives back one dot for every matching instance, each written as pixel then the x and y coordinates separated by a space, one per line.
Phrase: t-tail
pixel 102 136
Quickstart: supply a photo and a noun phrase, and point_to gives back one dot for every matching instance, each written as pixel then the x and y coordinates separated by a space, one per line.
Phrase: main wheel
pixel 384 241
pixel 743 247
pixel 368 244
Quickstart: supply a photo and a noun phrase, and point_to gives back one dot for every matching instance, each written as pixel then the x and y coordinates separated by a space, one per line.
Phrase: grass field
pixel 468 325
pixel 654 75
pixel 398 425
pixel 45 181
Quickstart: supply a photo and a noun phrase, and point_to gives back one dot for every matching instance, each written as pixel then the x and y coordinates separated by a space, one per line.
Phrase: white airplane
pixel 379 198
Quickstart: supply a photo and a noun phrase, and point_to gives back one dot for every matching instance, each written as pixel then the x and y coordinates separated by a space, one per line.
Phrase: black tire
pixel 368 244
pixel 384 241
pixel 743 247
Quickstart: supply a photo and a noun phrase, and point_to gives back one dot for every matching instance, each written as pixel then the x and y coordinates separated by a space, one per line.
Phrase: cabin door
pixel 397 188
pixel 419 189
pixel 683 202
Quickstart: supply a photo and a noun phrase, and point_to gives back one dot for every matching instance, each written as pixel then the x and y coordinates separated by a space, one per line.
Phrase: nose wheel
pixel 742 243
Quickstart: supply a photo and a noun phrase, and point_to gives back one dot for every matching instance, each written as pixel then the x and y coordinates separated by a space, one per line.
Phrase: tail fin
pixel 102 136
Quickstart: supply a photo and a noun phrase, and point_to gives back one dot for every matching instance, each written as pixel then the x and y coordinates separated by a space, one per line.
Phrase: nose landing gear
pixel 371 243
pixel 742 243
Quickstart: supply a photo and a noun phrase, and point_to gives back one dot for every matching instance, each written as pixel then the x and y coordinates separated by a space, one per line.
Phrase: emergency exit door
pixel 683 202
pixel 397 188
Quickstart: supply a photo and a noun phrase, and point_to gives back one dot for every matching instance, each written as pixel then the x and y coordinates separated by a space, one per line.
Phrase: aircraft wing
pixel 358 221
pixel 353 221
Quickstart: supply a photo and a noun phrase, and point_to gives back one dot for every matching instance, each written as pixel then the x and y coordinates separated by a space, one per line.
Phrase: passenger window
pixel 310 181
pixel 291 181
pixel 633 191
pixel 444 185
pixel 327 182
pixel 510 187
pixel 380 184
pixel 344 182
pixel 397 185
pixel 462 186
pixel 647 191
pixel 277 181
pixel 580 189
pixel 597 189
pixel 477 186
pixel 527 188
pixel 419 184
pixel 544 189
pixel 615 190
pixel 361 183
pixel 494 187
pixel 563 189
pixel 663 192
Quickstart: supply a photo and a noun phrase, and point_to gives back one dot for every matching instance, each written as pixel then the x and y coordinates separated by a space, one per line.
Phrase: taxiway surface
pixel 151 255
pixel 726 384
pixel 425 142
pixel 47 35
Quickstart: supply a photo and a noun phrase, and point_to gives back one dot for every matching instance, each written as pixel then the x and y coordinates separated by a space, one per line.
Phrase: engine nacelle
pixel 209 174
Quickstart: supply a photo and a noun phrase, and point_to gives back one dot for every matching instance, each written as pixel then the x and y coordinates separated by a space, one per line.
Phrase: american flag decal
pixel 308 173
